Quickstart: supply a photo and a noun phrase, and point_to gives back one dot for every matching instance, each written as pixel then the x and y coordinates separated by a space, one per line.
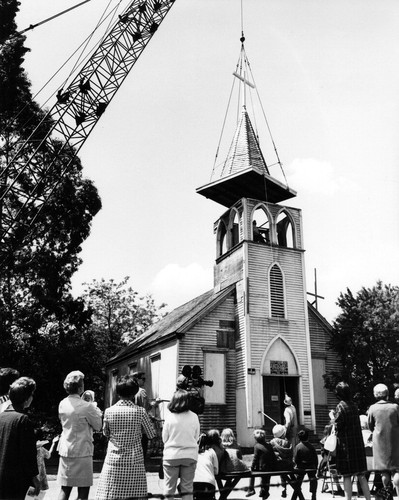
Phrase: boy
pixel 305 457
pixel 264 460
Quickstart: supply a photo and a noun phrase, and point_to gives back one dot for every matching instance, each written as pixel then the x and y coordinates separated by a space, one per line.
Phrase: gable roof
pixel 321 319
pixel 176 323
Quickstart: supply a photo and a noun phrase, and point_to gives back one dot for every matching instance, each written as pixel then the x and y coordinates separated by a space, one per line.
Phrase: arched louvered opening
pixel 276 283
pixel 260 226
pixel 221 239
pixel 285 231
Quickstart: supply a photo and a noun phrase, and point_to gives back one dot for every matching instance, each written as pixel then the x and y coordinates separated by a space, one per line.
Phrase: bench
pixel 231 479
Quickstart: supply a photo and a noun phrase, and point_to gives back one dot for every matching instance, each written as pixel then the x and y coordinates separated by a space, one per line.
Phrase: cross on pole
pixel 315 295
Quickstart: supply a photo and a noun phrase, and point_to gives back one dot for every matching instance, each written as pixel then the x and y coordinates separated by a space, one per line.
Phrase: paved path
pixel 155 487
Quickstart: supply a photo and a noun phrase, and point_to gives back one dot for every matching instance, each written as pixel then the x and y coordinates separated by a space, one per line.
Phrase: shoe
pixel 249 493
pixel 284 494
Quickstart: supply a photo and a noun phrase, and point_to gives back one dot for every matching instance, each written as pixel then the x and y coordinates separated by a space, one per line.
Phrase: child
pixel 215 442
pixel 232 460
pixel 264 460
pixel 207 467
pixel 284 454
pixel 229 440
pixel 89 396
pixel 43 453
pixel 328 459
pixel 305 457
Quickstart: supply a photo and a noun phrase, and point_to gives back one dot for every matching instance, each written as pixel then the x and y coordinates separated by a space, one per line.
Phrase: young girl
pixel 215 442
pixel 43 453
pixel 207 468
pixel 180 434
pixel 232 461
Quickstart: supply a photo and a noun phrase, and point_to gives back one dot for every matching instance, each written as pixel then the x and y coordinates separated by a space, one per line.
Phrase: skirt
pixel 75 471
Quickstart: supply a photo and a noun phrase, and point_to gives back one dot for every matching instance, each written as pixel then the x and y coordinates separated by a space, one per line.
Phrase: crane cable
pixel 32 26
pixel 102 20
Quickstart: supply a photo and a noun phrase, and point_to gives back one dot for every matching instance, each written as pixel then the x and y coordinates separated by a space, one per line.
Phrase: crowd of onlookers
pixel 192 460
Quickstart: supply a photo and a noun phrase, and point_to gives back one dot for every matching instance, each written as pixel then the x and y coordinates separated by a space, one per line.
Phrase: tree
pixel 42 327
pixel 366 338
pixel 118 315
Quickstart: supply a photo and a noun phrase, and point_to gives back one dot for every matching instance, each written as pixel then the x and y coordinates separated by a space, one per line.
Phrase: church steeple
pixel 244 151
pixel 245 173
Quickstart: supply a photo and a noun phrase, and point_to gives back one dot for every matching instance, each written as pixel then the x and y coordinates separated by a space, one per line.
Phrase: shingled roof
pixel 176 323
pixel 244 151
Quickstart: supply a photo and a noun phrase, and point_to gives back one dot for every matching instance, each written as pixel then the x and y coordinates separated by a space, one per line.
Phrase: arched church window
pixel 260 226
pixel 285 231
pixel 235 229
pixel 221 239
pixel 276 283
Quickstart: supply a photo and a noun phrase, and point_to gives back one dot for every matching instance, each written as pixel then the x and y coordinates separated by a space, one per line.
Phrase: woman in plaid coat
pixel 123 474
pixel 351 455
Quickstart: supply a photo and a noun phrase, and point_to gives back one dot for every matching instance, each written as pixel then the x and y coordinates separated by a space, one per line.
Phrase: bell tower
pixel 259 248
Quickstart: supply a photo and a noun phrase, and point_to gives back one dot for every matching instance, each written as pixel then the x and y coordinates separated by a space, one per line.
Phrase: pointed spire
pixel 244 151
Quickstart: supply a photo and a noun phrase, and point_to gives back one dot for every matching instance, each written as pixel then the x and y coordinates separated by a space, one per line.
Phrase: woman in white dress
pixel 123 474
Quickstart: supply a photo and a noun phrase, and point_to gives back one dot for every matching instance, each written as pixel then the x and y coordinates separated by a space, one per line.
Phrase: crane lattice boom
pixel 76 112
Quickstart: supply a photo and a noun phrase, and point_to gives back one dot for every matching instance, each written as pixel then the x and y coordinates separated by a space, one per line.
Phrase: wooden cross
pixel 314 303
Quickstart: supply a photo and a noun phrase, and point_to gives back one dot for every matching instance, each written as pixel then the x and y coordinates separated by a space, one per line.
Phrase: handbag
pixel 330 443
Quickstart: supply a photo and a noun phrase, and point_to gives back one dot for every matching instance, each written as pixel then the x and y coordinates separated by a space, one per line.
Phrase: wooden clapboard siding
pixel 240 339
pixel 320 333
pixel 203 335
pixel 293 327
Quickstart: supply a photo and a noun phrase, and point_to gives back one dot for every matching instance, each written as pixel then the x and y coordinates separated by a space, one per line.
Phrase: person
pixel 89 396
pixel 78 419
pixel 141 399
pixel 351 456
pixel 264 459
pixel 215 442
pixel 18 464
pixel 123 474
pixel 383 422
pixel 180 434
pixel 328 458
pixel 290 421
pixel 258 237
pixel 43 454
pixel 305 457
pixel 7 377
pixel 396 396
pixel 232 461
pixel 207 468
pixel 284 454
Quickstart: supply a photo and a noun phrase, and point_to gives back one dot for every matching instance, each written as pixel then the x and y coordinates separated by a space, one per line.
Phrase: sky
pixel 327 72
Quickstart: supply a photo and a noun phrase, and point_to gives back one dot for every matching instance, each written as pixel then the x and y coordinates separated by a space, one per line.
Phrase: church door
pixel 274 390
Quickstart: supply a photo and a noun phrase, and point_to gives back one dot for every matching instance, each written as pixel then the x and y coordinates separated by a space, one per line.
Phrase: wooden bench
pixel 231 479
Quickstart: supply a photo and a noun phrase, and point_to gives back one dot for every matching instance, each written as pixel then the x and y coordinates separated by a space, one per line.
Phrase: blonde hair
pixel 380 391
pixel 73 381
pixel 227 437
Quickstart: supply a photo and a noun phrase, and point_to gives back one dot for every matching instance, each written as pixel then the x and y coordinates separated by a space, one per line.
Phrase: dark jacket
pixel 18 463
pixel 264 457
pixel 305 456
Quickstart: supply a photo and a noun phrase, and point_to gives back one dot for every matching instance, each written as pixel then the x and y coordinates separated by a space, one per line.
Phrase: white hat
pixel 279 431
